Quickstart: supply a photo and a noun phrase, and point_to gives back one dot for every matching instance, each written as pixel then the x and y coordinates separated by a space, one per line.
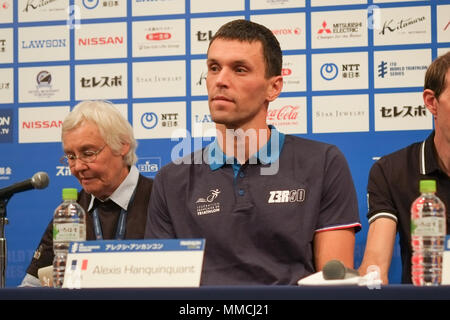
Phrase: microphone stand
pixel 3 255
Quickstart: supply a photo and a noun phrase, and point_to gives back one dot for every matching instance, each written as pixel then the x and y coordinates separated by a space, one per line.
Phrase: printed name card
pixel 134 263
pixel 446 262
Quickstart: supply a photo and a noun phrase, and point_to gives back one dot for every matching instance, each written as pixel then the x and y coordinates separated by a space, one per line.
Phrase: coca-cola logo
pixel 158 36
pixel 286 72
pixel 287 112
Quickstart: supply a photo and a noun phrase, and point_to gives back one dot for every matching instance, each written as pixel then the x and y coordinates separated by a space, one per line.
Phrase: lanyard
pixel 121 226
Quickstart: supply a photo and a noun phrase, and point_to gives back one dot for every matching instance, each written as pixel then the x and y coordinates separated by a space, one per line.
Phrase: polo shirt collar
pixel 122 195
pixel 428 156
pixel 267 154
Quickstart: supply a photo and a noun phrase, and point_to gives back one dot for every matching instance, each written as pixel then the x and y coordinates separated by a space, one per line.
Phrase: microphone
pixel 38 181
pixel 335 270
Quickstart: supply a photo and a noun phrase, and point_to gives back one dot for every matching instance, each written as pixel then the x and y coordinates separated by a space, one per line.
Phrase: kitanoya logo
pixel 403 25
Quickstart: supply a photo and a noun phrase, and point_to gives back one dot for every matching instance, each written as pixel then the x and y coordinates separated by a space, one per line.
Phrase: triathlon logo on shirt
pixel 284 196
pixel 207 205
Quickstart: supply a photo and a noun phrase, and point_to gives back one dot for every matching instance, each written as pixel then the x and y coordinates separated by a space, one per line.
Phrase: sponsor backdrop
pixel 353 76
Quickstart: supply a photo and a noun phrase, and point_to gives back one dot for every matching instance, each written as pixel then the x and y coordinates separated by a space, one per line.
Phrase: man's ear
pixel 430 101
pixel 125 149
pixel 275 87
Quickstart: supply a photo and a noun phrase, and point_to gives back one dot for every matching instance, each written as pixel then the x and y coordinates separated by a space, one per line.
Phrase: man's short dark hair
pixel 435 75
pixel 248 31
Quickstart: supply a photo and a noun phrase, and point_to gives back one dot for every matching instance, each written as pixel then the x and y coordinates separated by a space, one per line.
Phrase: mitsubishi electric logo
pixel 324 28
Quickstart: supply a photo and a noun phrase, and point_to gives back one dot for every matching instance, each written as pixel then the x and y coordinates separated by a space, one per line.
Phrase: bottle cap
pixel 427 186
pixel 70 194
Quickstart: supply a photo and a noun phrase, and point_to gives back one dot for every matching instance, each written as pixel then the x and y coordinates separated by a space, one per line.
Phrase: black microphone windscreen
pixel 333 270
pixel 40 180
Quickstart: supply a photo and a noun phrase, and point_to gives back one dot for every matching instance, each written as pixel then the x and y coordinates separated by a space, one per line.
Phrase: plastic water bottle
pixel 428 230
pixel 69 224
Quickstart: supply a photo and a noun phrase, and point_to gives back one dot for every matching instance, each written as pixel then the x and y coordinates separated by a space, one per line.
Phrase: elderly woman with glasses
pixel 99 148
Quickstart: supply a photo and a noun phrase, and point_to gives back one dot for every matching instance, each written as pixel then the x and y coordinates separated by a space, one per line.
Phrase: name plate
pixel 446 262
pixel 134 263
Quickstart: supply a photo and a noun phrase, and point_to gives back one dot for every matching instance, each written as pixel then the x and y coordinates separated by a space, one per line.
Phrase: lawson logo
pixel 47 43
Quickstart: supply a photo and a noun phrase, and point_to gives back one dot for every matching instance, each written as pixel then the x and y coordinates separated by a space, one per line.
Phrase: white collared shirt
pixel 122 195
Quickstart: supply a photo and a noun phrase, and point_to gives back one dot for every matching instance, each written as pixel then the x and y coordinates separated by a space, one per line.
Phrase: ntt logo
pixel 149 120
pixel 329 71
pixel 90 4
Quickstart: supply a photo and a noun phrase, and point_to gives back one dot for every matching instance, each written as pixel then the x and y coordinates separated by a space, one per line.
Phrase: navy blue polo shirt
pixel 259 218
pixel 394 185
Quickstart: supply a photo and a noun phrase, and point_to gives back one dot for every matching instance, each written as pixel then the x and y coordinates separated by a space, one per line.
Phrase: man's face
pixel 442 107
pixel 102 176
pixel 238 91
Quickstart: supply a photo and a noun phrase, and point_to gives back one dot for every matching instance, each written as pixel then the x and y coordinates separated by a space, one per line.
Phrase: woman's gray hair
pixel 113 127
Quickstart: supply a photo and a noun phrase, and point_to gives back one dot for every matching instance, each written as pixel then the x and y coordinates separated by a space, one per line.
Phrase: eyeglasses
pixel 86 156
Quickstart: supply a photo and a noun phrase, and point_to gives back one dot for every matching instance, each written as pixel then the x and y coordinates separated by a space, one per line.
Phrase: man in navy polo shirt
pixel 394 179
pixel 273 208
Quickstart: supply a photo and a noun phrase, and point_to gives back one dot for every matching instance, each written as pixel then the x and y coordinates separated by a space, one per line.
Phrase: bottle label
pixel 68 232
pixel 428 226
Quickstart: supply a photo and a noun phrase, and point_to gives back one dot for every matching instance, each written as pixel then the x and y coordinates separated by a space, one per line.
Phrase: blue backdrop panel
pixel 353 77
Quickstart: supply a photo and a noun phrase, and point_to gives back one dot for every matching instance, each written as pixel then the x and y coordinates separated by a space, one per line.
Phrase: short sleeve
pixel 159 224
pixel 379 195
pixel 339 204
